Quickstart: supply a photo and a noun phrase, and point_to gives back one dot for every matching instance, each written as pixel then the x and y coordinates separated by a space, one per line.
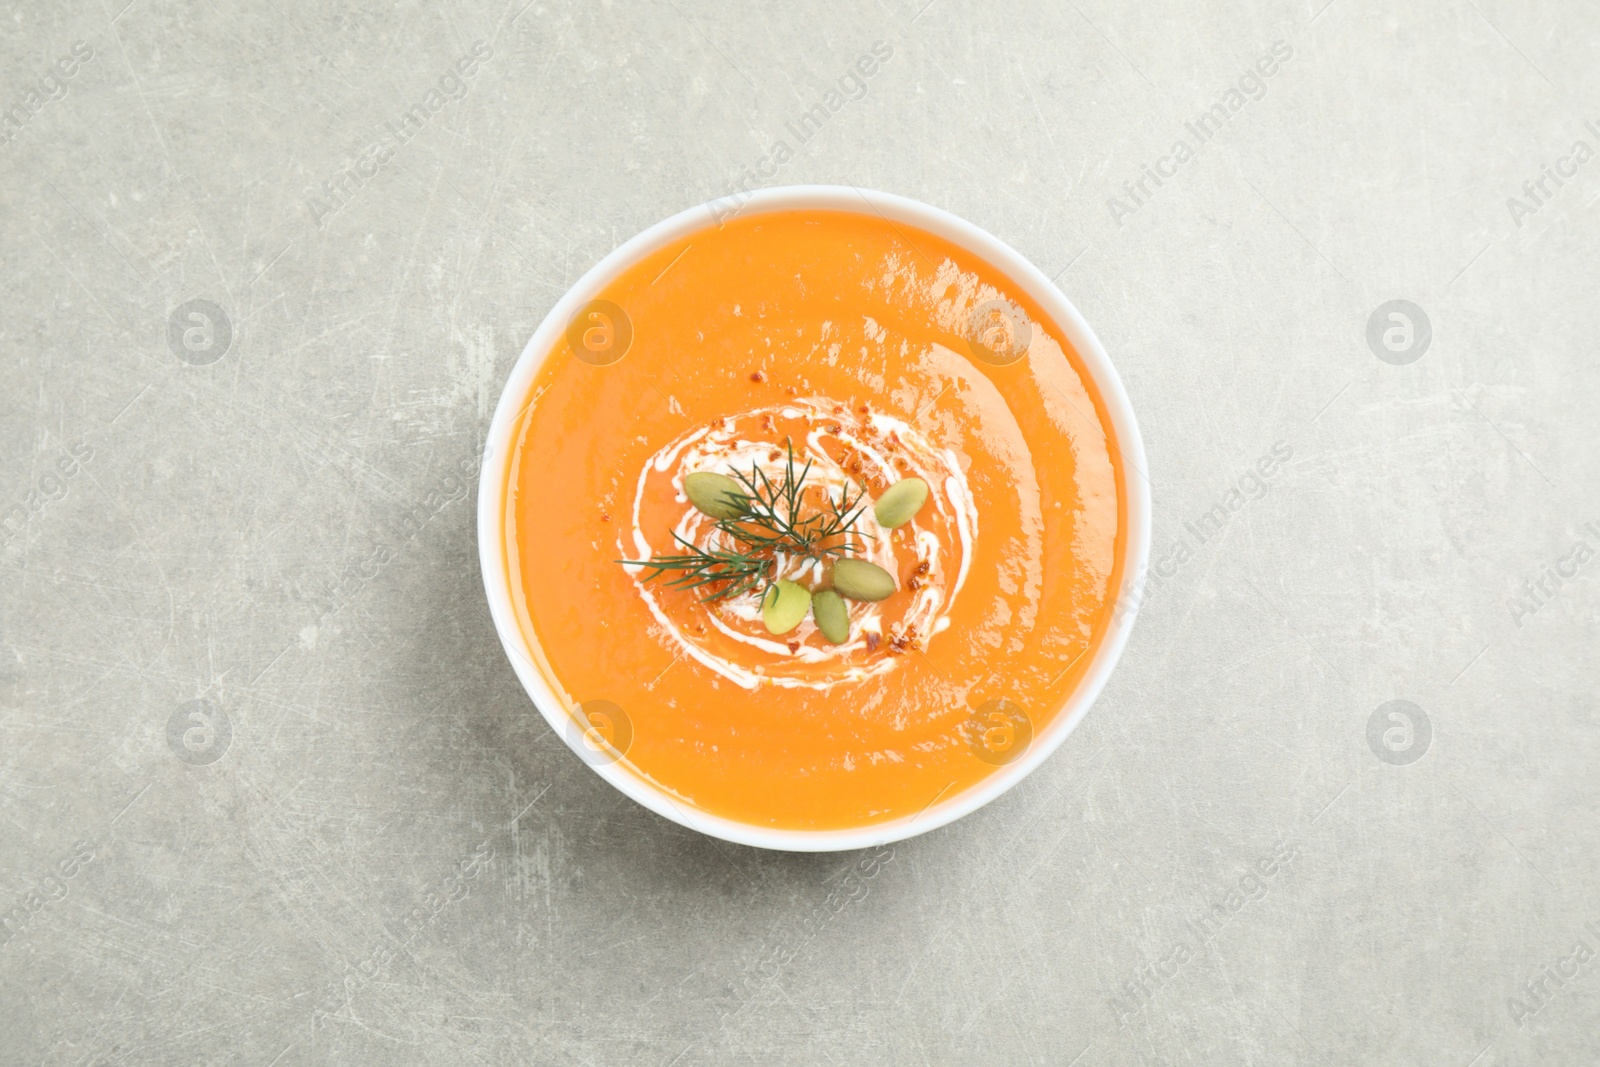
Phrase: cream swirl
pixel 849 451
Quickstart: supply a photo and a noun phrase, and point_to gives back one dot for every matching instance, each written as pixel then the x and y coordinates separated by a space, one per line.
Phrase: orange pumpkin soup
pixel 817 359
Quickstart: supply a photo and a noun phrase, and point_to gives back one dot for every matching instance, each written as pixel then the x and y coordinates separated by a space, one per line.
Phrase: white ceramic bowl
pixel 1024 275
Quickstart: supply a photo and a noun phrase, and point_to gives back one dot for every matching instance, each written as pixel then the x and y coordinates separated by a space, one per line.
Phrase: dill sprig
pixel 774 522
pixel 731 571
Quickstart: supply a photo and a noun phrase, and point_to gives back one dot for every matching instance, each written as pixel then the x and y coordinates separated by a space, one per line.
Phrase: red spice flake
pixel 757 377
pixel 862 409
pixel 605 516
pixel 922 568
pixel 913 583
pixel 872 640
pixel 794 646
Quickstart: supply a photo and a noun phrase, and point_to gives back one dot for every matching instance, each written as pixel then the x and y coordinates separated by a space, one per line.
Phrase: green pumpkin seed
pixel 900 502
pixel 716 495
pixel 860 580
pixel 785 604
pixel 833 618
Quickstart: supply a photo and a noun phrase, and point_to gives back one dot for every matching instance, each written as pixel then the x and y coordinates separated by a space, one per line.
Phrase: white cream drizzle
pixel 727 447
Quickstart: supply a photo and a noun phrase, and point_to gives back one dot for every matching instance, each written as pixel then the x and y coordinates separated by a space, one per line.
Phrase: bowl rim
pixel 1121 610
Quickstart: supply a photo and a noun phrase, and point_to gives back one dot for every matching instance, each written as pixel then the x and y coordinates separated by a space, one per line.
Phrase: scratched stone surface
pixel 271 794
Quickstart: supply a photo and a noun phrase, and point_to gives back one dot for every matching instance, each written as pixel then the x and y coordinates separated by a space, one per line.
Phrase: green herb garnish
pixel 771 520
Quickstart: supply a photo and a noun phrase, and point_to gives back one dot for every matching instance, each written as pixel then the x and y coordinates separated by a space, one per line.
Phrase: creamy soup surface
pixel 860 353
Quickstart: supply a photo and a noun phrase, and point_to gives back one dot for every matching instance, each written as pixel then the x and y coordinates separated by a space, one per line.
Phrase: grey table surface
pixel 270 792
